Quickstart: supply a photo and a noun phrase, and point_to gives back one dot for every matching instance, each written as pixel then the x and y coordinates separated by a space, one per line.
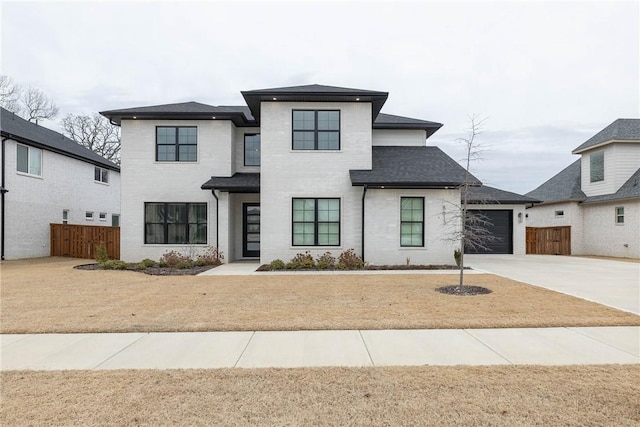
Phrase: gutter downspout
pixel 3 191
pixel 213 191
pixel 364 193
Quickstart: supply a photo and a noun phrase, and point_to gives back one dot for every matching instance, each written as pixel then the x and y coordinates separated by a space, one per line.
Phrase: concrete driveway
pixel 612 283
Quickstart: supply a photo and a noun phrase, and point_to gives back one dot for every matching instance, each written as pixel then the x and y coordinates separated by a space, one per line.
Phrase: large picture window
pixel 596 161
pixel 316 130
pixel 175 223
pixel 412 221
pixel 316 222
pixel 29 160
pixel 252 150
pixel 176 144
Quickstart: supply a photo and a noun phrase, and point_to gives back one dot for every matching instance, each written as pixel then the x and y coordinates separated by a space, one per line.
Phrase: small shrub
pixel 350 261
pixel 173 258
pixel 114 264
pixel 457 256
pixel 325 261
pixel 140 266
pixel 148 262
pixel 163 264
pixel 303 260
pixel 101 253
pixel 199 262
pixel 291 266
pixel 184 263
pixel 277 264
pixel 211 256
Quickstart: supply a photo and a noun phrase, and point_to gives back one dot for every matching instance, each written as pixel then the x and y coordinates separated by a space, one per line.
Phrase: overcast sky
pixel 547 75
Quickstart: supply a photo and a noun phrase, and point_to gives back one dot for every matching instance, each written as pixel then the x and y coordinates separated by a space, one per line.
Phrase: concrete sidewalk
pixel 206 350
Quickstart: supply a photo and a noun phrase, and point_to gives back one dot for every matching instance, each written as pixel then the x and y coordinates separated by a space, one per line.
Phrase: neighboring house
pixel 306 168
pixel 48 178
pixel 598 195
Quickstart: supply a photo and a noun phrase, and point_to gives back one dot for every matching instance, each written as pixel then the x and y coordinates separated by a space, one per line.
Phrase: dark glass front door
pixel 251 230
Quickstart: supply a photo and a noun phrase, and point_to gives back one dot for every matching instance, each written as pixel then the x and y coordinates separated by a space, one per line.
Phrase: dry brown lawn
pixel 443 396
pixel 48 295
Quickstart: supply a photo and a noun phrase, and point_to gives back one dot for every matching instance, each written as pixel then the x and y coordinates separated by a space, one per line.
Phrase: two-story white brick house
pixel 598 195
pixel 315 168
pixel 48 178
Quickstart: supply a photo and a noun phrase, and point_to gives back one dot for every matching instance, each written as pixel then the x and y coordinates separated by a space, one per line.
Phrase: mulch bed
pixel 464 290
pixel 155 271
pixel 265 267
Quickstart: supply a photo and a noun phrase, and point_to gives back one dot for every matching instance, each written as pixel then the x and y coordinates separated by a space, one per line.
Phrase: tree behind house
pixel 94 132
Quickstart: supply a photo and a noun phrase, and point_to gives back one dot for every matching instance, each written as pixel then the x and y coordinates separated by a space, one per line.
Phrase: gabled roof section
pixel 240 115
pixel 619 130
pixel 565 186
pixel 489 195
pixel 390 121
pixel 411 167
pixel 629 190
pixel 238 183
pixel 314 93
pixel 21 130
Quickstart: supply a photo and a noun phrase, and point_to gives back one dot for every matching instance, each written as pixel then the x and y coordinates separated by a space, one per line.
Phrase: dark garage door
pixel 502 228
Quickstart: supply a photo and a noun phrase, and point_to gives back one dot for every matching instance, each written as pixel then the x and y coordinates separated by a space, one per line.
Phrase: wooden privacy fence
pixel 80 241
pixel 549 240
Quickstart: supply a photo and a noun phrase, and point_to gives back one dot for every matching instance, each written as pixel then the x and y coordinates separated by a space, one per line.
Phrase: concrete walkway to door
pixel 612 283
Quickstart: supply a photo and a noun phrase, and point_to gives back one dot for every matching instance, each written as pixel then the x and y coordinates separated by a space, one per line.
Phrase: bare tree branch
pixel 94 132
pixel 9 94
pixel 37 106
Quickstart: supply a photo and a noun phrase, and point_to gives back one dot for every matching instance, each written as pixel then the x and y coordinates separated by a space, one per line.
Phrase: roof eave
pixel 604 143
pixel 239 119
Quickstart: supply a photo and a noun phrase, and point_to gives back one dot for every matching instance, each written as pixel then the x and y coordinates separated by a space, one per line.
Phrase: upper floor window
pixel 620 215
pixel 252 150
pixel 101 174
pixel 412 221
pixel 175 223
pixel 316 222
pixel 176 144
pixel 596 161
pixel 316 130
pixel 29 160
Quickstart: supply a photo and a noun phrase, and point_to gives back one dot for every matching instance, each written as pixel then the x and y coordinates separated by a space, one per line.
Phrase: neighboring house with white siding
pixel 48 178
pixel 598 195
pixel 305 168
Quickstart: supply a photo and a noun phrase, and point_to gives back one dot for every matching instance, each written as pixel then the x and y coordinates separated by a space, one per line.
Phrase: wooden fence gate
pixel 80 241
pixel 549 240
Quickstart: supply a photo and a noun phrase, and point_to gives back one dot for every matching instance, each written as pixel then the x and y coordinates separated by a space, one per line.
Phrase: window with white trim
pixel 620 215
pixel 101 175
pixel 102 216
pixel 29 160
pixel 65 216
pixel 559 214
pixel 596 165
pixel 88 216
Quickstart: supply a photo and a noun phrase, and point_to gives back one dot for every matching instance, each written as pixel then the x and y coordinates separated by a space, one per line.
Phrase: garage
pixel 501 227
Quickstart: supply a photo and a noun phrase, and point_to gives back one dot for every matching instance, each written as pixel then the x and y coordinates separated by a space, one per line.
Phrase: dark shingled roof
pixel 389 121
pixel 240 115
pixel 629 190
pixel 314 93
pixel 565 186
pixel 411 167
pixel 21 130
pixel 238 183
pixel 486 194
pixel 619 130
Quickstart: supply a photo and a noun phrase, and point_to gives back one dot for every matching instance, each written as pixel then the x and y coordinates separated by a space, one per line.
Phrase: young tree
pixel 37 106
pixel 94 132
pixel 471 231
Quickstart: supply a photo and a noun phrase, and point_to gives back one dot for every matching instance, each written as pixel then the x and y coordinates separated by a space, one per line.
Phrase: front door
pixel 251 230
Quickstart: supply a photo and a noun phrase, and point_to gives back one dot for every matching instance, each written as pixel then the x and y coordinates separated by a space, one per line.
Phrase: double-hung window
pixel 620 215
pixel 101 174
pixel 175 223
pixel 596 164
pixel 316 130
pixel 252 150
pixel 316 222
pixel 29 160
pixel 176 144
pixel 412 221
